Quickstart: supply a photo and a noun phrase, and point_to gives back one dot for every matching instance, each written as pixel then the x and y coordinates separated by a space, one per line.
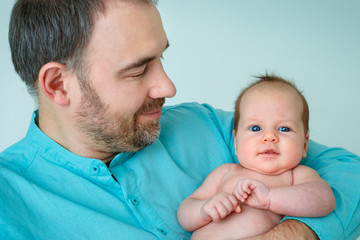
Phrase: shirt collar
pixel 54 152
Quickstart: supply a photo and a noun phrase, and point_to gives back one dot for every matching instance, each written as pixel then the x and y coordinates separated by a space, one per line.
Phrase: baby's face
pixel 270 138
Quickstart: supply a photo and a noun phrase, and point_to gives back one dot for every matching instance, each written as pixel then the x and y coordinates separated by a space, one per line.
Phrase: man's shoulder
pixel 194 110
pixel 17 156
pixel 187 107
pixel 195 120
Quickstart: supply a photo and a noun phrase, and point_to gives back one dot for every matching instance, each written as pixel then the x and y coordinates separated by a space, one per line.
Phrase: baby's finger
pixel 222 210
pixel 245 187
pixel 229 203
pixel 233 201
pixel 238 208
pixel 213 214
pixel 243 195
pixel 239 194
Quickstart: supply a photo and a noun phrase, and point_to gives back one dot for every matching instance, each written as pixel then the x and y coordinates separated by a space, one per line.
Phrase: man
pixel 94 164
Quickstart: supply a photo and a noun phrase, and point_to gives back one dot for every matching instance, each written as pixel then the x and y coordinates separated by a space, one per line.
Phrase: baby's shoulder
pixel 302 173
pixel 227 168
pixel 303 170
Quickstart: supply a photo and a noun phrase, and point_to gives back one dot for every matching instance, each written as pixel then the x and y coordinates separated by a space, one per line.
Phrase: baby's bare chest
pixel 234 175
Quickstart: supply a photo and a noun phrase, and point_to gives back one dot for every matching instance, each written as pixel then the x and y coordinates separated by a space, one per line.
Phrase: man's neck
pixel 65 134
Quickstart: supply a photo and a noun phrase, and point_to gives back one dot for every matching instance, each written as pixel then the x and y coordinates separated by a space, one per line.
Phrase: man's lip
pixel 153 114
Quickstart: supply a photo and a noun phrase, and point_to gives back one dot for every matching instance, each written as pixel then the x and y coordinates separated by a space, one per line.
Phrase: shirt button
pixel 135 201
pixel 96 169
pixel 162 231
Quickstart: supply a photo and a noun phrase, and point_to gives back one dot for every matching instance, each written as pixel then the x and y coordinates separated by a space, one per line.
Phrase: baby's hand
pixel 253 193
pixel 220 206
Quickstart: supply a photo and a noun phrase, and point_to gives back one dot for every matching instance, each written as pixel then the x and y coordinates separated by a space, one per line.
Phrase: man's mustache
pixel 151 106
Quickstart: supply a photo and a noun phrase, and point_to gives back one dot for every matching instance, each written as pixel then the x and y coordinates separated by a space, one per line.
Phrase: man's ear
pixel 306 145
pixel 51 82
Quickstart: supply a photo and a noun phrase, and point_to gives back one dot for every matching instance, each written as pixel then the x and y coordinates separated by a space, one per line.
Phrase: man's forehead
pixel 127 36
pixel 126 19
pixel 140 61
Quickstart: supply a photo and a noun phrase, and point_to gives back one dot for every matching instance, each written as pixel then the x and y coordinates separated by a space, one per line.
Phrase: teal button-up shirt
pixel 47 192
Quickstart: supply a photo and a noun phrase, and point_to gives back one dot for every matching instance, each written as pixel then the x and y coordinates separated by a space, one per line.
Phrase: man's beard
pixel 111 132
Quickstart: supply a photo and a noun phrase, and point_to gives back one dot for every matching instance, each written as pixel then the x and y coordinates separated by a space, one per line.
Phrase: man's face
pixel 120 102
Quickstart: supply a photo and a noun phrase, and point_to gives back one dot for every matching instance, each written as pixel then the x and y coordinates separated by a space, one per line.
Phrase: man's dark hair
pixel 43 31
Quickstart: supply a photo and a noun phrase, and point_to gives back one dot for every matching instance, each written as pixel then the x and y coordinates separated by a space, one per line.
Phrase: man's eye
pixel 138 75
pixel 284 129
pixel 255 128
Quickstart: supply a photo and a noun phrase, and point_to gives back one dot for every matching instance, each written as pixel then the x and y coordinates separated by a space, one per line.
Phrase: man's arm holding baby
pixel 289 229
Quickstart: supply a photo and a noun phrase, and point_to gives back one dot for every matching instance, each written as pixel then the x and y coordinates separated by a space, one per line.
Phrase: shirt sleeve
pixel 340 169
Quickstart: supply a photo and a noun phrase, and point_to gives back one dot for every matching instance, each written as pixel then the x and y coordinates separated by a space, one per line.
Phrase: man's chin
pixel 145 140
pixel 150 123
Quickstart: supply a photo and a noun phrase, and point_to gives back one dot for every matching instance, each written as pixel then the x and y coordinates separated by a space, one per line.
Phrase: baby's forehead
pixel 272 86
pixel 269 91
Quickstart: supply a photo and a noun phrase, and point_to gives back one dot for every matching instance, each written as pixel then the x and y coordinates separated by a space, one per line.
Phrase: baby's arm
pixel 309 196
pixel 206 204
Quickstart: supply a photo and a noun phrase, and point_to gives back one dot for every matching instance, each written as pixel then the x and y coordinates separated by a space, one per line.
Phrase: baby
pixel 247 199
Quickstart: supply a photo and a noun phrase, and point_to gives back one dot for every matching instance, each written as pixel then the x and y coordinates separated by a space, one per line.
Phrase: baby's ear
pixel 306 145
pixel 234 133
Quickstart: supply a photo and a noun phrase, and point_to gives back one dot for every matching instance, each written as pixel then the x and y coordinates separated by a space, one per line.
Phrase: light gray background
pixel 216 48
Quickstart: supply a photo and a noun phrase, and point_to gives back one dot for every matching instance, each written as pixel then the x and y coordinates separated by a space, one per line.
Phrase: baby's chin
pixel 271 172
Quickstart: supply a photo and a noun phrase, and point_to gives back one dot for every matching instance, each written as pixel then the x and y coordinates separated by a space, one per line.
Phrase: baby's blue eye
pixel 284 129
pixel 255 128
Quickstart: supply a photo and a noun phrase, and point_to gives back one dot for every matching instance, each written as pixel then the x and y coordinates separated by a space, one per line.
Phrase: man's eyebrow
pixel 141 61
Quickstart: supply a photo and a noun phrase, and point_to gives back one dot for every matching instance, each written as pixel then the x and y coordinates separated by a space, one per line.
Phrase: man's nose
pixel 162 85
